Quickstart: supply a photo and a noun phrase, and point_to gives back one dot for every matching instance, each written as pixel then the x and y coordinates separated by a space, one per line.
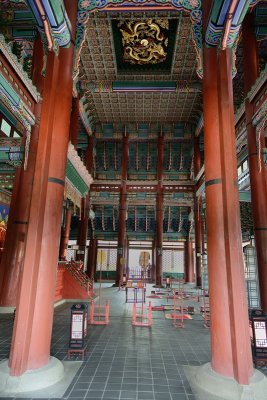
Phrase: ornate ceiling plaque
pixel 144 42
pixel 144 45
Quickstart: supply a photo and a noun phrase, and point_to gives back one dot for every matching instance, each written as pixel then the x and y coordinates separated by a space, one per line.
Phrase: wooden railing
pixel 75 268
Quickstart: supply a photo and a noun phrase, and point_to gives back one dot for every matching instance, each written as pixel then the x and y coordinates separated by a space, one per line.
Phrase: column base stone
pixel 207 384
pixel 7 310
pixel 31 380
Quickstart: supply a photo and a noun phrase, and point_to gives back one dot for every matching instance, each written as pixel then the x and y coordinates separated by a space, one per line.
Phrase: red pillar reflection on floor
pixel 19 210
pixel 230 343
pixel 159 212
pixel 30 348
pixel 123 210
pixel 257 175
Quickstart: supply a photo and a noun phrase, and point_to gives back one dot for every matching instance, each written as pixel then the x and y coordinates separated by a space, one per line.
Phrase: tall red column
pixel 12 259
pixel 7 274
pixel 65 234
pixel 126 257
pixel 188 261
pixel 74 122
pixel 30 348
pixel 122 211
pixel 89 255
pixel 83 229
pixel 153 267
pixel 90 259
pixel 198 241
pixel 94 260
pixel 90 154
pixel 230 343
pixel 203 230
pixel 83 223
pixel 257 175
pixel 159 212
pixel 73 135
pixel 197 218
pixel 197 156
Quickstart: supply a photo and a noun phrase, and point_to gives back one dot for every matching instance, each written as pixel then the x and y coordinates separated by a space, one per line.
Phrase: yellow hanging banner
pixel 101 257
pixel 144 259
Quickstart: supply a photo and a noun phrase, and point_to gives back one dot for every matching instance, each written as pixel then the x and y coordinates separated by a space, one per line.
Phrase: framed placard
pixel 78 326
pixel 258 331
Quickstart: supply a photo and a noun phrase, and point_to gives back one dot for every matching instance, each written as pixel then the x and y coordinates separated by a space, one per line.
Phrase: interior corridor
pixel 127 362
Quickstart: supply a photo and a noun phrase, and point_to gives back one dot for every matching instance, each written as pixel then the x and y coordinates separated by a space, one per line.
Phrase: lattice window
pixel 205 281
pixel 173 261
pixel 85 259
pixel 251 275
pixel 166 260
pixel 109 259
pixel 70 254
pixel 112 259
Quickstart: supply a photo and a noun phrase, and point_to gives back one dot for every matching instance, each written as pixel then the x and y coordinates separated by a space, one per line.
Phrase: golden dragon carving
pixel 144 41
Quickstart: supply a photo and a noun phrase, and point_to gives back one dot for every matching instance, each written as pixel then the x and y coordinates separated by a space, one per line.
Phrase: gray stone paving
pixel 126 362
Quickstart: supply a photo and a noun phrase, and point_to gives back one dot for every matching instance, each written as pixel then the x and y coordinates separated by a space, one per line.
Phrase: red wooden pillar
pixel 197 156
pixel 65 234
pixel 203 230
pixel 73 135
pixel 83 229
pixel 122 211
pixel 90 154
pixel 94 260
pixel 9 275
pixel 12 259
pixel 159 212
pixel 159 250
pixel 89 255
pixel 74 122
pixel 153 258
pixel 91 263
pixel 230 343
pixel 90 259
pixel 188 261
pixel 126 256
pixel 30 347
pixel 185 260
pixel 197 218
pixel 20 359
pixel 198 241
pixel 83 223
pixel 257 175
